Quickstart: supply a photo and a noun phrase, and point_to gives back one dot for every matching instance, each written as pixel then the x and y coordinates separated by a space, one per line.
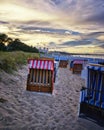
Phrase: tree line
pixel 9 44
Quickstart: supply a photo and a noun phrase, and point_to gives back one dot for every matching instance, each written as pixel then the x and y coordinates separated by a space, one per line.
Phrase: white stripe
pixel 42 64
pixel 34 64
pixel 49 65
pixel 30 64
pixel 45 67
pixel 38 64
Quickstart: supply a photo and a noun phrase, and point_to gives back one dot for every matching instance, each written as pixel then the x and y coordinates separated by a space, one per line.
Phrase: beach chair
pixel 63 63
pixel 41 75
pixel 77 66
pixel 92 97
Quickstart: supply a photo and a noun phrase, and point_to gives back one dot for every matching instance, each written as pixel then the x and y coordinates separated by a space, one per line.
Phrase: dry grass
pixel 10 61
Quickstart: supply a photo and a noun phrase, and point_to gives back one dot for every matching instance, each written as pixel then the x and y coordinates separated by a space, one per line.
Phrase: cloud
pixel 96 18
pixel 84 43
pixel 17 12
pixel 71 14
pixel 4 22
pixel 52 44
pixel 89 13
pixel 63 23
pixel 92 35
pixel 77 43
pixel 102 46
pixel 48 30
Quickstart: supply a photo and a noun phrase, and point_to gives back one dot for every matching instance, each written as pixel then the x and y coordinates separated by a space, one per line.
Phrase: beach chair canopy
pixel 78 62
pixel 41 64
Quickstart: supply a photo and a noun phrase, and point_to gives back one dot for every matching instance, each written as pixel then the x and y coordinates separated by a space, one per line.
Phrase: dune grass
pixel 10 61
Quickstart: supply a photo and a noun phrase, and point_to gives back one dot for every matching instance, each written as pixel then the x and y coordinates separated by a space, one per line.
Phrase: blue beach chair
pixel 92 97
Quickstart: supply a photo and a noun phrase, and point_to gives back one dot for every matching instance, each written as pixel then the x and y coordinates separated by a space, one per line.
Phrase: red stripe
pixel 52 67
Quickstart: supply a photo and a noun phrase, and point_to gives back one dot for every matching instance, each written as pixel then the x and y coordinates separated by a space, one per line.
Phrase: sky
pixel 60 25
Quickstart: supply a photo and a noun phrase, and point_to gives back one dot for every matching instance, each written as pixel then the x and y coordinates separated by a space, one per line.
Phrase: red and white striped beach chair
pixel 41 75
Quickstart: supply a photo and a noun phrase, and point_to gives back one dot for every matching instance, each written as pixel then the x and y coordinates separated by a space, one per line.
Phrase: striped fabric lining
pixel 41 64
pixel 78 62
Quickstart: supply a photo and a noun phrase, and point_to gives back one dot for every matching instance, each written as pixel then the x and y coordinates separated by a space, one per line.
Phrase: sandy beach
pixel 25 110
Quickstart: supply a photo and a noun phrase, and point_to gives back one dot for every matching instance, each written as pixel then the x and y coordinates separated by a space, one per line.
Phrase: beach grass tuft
pixel 10 61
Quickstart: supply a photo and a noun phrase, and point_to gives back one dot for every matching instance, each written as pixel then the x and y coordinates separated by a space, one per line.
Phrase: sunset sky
pixel 65 25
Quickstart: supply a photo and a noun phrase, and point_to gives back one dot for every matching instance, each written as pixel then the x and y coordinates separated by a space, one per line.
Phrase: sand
pixel 25 110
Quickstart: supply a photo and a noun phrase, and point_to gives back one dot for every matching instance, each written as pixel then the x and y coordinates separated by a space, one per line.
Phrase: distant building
pixel 55 53
pixel 43 50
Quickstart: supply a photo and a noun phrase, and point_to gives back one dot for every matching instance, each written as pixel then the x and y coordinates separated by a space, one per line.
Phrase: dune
pixel 24 110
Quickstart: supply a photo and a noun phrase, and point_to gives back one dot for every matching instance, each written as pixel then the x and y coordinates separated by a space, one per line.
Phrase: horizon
pixel 72 26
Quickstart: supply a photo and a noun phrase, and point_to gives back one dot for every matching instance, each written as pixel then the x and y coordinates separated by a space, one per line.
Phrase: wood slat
pixel 34 76
pixel 31 75
pixel 43 81
pixel 46 77
pixel 40 80
pixel 50 78
pixel 37 76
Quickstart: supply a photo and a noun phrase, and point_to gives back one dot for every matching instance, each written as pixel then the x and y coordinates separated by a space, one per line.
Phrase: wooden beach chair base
pixel 92 97
pixel 92 112
pixel 39 89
